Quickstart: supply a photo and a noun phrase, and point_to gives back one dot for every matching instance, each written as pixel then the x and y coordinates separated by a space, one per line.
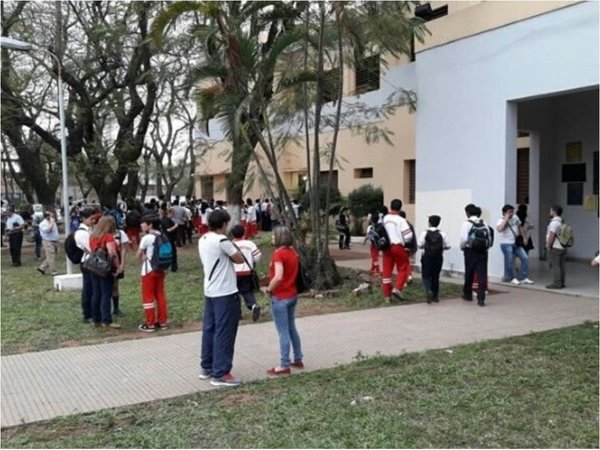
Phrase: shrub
pixel 365 200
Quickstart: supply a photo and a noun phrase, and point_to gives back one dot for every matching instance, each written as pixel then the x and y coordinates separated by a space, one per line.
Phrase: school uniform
pixel 396 255
pixel 475 263
pixel 431 264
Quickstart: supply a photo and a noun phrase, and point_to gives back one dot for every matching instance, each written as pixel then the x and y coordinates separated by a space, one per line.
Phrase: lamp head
pixel 15 44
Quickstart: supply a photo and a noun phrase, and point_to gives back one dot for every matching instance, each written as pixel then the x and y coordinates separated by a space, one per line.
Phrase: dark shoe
pixel 226 380
pixel 554 286
pixel 204 374
pixel 145 328
pixel 275 371
pixel 88 320
pixel 161 327
pixel 436 299
pixel 43 272
pixel 111 326
pixel 297 364
pixel 429 297
pixel 481 303
pixel 255 312
pixel 118 312
pixel 469 299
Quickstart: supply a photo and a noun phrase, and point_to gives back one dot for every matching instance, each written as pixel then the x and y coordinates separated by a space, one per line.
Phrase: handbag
pixel 529 245
pixel 519 242
pixel 99 263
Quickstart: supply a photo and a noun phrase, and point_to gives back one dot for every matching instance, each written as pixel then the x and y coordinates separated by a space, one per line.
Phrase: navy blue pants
pixel 431 266
pixel 102 298
pixel 475 262
pixel 87 294
pixel 219 329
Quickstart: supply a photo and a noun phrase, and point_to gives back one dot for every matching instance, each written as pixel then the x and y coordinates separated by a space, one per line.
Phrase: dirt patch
pixel 346 255
pixel 239 399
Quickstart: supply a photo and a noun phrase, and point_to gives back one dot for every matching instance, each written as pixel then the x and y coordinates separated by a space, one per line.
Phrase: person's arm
pixel 141 251
pixel 277 277
pixel 256 254
pixel 503 223
pixel 231 251
pixel 421 240
pixel 551 237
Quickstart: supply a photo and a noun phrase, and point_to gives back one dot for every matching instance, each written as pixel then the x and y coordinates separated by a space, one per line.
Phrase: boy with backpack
pixel 156 254
pixel 372 237
pixel 433 242
pixel 475 239
pixel 243 271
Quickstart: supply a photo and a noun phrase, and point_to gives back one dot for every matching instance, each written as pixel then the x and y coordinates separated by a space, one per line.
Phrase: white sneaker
pixel 515 282
pixel 527 281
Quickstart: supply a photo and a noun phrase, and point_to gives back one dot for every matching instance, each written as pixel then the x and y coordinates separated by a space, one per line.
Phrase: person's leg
pixel 555 256
pixel 249 299
pixel 340 240
pixel 374 259
pixel 96 299
pixel 436 269
pixel 161 299
pixel 561 264
pixel 347 238
pixel 19 246
pixel 426 275
pixel 294 335
pixel 51 256
pixel 45 263
pixel 115 297
pixel 227 313
pixel 106 286
pixel 208 333
pixel 469 272
pixel 148 289
pixel 507 251
pixel 12 246
pixel 279 311
pixel 87 294
pixel 38 244
pixel 403 264
pixel 174 264
pixel 481 268
pixel 388 267
pixel 522 255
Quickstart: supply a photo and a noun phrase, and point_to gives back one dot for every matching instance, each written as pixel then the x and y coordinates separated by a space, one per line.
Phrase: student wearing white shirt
pixel 49 234
pixel 475 258
pixel 221 304
pixel 14 229
pixel 556 252
pixel 396 255
pixel 82 239
pixel 251 227
pixel 433 242
pixel 243 272
pixel 509 230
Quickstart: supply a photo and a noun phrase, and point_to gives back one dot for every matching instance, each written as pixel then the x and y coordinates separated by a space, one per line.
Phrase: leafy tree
pixel 364 200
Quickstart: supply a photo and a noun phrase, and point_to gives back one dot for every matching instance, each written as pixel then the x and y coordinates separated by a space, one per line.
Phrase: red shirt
pixel 100 242
pixel 287 287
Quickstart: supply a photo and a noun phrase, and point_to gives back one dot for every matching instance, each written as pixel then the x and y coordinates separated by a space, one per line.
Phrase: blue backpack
pixel 162 256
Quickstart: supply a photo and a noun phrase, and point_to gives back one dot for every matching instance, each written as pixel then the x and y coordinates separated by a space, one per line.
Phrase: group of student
pixel 476 237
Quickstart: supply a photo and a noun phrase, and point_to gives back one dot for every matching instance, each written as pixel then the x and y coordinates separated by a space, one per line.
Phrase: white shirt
pixel 250 214
pixel 296 208
pixel 553 227
pixel 12 220
pixel 397 229
pixel 252 254
pixel 506 236
pixel 421 241
pixel 219 274
pixel 82 240
pixel 466 228
pixel 205 216
pixel 122 238
pixel 49 230
pixel 147 245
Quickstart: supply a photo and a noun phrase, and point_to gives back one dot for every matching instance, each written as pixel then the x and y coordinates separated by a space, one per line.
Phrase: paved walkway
pixel 43 385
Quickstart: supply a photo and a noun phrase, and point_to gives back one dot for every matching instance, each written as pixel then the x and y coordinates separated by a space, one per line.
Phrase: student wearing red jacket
pixel 284 298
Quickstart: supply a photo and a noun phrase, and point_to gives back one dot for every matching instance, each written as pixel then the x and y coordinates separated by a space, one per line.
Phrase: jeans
pixel 219 329
pixel 87 294
pixel 284 312
pixel 510 251
pixel 102 298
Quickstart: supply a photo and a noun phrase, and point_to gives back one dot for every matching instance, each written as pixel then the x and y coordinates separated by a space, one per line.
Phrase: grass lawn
pixel 35 317
pixel 535 391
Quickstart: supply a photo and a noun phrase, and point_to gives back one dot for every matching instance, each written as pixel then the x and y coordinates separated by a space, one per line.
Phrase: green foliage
pixel 534 391
pixel 364 200
pixel 335 203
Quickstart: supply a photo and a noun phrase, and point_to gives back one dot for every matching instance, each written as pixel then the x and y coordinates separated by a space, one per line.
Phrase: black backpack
pixel 380 237
pixel 480 237
pixel 434 243
pixel 74 253
pixel 411 244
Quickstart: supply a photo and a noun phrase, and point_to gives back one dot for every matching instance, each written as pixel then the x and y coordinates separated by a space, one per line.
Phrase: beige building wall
pixel 389 163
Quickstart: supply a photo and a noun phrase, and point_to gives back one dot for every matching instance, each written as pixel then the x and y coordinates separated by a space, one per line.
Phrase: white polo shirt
pixel 397 229
pixel 252 254
pixel 250 214
pixel 219 273
pixel 147 245
pixel 553 227
pixel 506 236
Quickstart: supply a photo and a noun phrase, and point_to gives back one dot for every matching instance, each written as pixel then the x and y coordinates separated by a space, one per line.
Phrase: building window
pixel 207 187
pixel 324 180
pixel 332 85
pixel 410 176
pixel 367 74
pixel 365 172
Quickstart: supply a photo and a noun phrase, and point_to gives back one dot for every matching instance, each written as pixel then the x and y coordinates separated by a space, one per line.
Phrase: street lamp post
pixel 15 44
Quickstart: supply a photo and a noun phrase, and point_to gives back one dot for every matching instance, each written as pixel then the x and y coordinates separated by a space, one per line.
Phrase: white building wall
pixel 463 112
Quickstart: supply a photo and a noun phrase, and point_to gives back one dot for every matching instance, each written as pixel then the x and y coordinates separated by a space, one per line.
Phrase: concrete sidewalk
pixel 43 385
